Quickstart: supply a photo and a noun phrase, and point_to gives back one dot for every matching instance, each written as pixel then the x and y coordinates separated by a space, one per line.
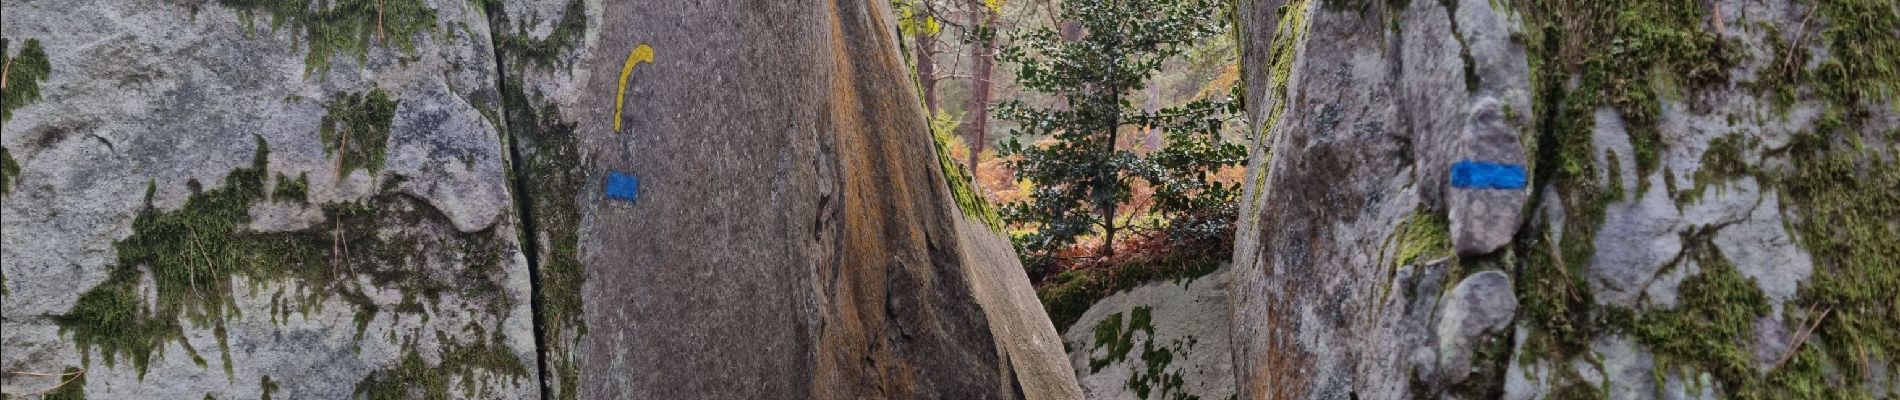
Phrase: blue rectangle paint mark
pixel 1470 174
pixel 622 186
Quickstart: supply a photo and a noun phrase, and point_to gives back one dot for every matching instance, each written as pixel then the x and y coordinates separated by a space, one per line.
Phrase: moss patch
pixel 414 377
pixel 1721 163
pixel 339 27
pixel 1626 55
pixel 1424 235
pixel 1280 57
pixel 70 390
pixel 1152 380
pixel 9 171
pixel 1842 203
pixel 1708 329
pixel 963 186
pixel 1848 208
pixel 1863 37
pixel 193 254
pixel 267 387
pixel 292 190
pixel 1070 293
pixel 22 76
pixel 356 130
pixel 548 177
pixel 524 49
pixel 1109 333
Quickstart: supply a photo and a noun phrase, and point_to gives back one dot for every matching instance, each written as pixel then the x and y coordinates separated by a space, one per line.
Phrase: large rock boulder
pixel 1631 199
pixel 234 200
pixel 495 199
pixel 1162 340
pixel 743 201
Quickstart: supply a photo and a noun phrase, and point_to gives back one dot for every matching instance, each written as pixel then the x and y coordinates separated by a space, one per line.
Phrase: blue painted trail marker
pixel 1470 174
pixel 623 187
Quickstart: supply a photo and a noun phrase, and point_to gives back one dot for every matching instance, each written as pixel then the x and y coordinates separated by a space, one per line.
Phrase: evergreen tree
pixel 1083 177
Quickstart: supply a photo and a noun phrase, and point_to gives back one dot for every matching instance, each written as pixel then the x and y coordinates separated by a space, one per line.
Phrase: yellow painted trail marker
pixel 640 54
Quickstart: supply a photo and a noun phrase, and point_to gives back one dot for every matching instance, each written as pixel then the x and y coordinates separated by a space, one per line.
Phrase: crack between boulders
pixel 524 205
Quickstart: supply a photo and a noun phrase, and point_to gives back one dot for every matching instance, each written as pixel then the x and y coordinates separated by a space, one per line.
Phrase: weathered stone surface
pixel 1024 335
pixel 406 266
pixel 1482 304
pixel 790 235
pixel 1161 331
pixel 1710 182
pixel 1485 219
pixel 1362 137
pixel 338 218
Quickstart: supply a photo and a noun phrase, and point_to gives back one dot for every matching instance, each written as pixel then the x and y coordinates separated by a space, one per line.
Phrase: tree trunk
pixel 927 71
pixel 983 55
pixel 1108 176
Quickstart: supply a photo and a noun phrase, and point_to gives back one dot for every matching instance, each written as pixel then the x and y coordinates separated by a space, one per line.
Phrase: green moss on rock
pixel 548 179
pixel 267 387
pixel 356 130
pixel 546 52
pixel 9 171
pixel 1626 55
pixel 1152 379
pixel 1848 207
pixel 415 377
pixel 73 386
pixel 338 27
pixel 292 190
pixel 1720 163
pixel 1424 235
pixel 1072 292
pixel 195 253
pixel 962 186
pixel 1839 199
pixel 1708 330
pixel 22 76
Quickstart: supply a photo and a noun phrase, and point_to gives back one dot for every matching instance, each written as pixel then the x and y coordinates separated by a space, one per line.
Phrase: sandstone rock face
pixel 1163 340
pixel 1025 337
pixel 1706 209
pixel 429 199
pixel 209 207
pixel 742 203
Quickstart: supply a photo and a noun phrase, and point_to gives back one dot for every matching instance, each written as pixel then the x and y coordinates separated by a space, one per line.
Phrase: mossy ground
pixel 1071 292
pixel 342 27
pixel 22 76
pixel 356 130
